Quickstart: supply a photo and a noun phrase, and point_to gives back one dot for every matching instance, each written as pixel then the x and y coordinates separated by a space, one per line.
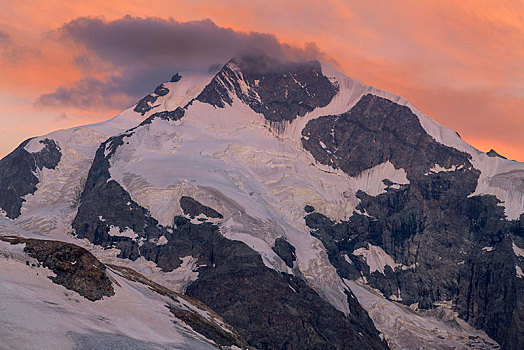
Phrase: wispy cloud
pixel 11 53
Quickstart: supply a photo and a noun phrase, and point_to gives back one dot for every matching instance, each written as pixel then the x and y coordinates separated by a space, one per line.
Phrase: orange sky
pixel 461 62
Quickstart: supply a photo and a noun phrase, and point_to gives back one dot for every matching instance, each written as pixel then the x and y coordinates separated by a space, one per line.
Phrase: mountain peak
pixel 262 64
pixel 493 153
pixel 278 90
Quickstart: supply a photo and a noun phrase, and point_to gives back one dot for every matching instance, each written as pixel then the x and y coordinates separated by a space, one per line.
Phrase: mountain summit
pixel 308 210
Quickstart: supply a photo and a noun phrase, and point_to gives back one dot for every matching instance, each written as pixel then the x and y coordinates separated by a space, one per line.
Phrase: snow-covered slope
pixel 51 209
pixel 278 143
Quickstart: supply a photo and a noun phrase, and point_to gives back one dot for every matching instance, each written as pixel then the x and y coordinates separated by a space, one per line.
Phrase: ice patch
pixel 439 169
pixel 162 240
pixel 376 258
pixel 235 229
pixel 15 252
pixel 186 272
pixel 487 249
pixel 371 180
pixel 519 271
pixel 518 251
pixel 35 145
pixel 127 232
pixel 200 218
pixel 348 260
pixel 397 297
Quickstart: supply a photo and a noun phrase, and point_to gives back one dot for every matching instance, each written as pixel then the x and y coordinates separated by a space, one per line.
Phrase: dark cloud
pixel 147 51
pixel 87 93
pixel 133 40
pixel 84 62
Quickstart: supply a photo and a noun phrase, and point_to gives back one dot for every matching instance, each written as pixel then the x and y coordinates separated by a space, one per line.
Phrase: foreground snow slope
pixel 37 313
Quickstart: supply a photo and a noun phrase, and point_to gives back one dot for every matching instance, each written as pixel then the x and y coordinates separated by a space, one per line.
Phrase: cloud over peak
pixel 134 39
pixel 139 53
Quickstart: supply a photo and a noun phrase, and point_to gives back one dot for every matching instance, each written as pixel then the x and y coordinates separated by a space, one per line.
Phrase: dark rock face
pixel 75 268
pixel 335 237
pixel 104 203
pixel 430 226
pixel 175 78
pixel 193 208
pixel 374 131
pixel 17 174
pixel 147 103
pixel 175 115
pixel 285 251
pixel 309 209
pixel 260 304
pixel 490 297
pixel 279 91
pixel 233 280
pixel 492 153
pixel 161 90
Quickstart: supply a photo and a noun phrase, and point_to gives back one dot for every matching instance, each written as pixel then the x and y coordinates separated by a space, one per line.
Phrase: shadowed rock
pixel 175 78
pixel 193 208
pixel 281 91
pixel 147 102
pixel 17 174
pixel 285 251
pixel 492 153
pixel 75 268
pixel 431 228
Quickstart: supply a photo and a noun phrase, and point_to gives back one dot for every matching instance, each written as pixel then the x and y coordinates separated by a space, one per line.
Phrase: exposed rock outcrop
pixel 426 241
pixel 285 251
pixel 493 153
pixel 281 91
pixel 17 173
pixel 147 102
pixel 75 268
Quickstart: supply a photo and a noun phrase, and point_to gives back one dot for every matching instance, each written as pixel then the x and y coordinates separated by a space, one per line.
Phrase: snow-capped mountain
pixel 305 208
